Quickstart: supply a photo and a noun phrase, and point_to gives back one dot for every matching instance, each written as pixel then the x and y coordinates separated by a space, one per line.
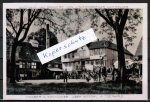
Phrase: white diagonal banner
pixel 67 46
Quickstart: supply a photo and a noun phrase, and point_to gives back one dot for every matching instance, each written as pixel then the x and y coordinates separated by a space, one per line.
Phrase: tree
pixel 9 42
pixel 19 20
pixel 121 21
pixel 40 36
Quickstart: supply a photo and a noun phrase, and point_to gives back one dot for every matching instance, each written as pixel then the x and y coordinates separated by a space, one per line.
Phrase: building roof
pixel 55 69
pixel 109 45
pixel 56 61
pixel 139 49
pixel 28 53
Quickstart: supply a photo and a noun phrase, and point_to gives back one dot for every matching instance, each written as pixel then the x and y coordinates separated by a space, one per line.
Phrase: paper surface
pixel 46 86
pixel 67 46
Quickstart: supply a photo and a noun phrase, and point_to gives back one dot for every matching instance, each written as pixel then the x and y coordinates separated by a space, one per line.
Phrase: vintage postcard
pixel 75 51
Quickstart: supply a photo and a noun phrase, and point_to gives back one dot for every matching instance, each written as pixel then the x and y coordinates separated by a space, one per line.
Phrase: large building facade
pixel 28 65
pixel 99 53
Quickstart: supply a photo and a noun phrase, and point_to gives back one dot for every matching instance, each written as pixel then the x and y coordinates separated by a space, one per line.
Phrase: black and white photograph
pixel 111 67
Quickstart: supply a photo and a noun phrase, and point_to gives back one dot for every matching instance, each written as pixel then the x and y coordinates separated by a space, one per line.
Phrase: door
pixel 29 75
pixel 83 63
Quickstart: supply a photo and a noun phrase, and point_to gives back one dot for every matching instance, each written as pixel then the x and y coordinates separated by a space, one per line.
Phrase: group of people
pixel 97 74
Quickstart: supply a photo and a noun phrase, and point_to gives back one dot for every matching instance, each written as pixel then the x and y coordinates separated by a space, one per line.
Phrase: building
pixel 53 69
pixel 138 53
pixel 27 63
pixel 99 53
pixel 138 57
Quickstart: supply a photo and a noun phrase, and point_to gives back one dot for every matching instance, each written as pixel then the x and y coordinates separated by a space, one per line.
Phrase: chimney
pixel 47 36
pixel 33 37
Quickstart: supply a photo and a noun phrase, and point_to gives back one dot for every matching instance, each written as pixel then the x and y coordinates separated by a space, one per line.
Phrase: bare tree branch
pixel 124 19
pixel 108 15
pixel 103 17
pixel 29 24
pixel 118 17
pixel 11 25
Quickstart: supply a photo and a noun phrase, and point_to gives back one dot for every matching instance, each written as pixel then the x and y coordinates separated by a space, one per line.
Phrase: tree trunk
pixel 121 58
pixel 13 63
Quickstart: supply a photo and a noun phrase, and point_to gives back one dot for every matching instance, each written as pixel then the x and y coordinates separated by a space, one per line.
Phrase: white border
pixel 143 96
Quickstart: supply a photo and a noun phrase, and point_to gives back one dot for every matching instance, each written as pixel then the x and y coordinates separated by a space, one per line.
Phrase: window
pixel 97 62
pixel 100 51
pixel 68 55
pixel 75 53
pixel 66 64
pixel 49 65
pixel 92 52
pixel 65 56
pixel 80 54
pixel 96 52
pixel 33 65
pixel 72 55
pixel 56 65
pixel 113 60
pixel 92 62
pixel 73 63
pixel 28 65
pixel 83 53
pixel 102 62
pixel 22 65
pixel 79 62
pixel 69 64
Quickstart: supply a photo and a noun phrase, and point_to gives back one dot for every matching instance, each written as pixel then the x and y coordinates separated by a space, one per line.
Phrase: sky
pixel 86 26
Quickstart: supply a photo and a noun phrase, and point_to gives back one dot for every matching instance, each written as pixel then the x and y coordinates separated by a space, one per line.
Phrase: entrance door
pixel 29 75
pixel 83 63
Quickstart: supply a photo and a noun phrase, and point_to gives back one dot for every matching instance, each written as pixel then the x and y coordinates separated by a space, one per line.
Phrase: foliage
pixel 40 36
pixel 120 23
pixel 20 20
pixel 114 18
pixel 9 42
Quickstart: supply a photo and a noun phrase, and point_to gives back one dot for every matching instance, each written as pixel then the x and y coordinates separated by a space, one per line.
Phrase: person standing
pixel 65 74
pixel 54 75
pixel 113 73
pixel 61 75
pixel 104 74
pixel 99 73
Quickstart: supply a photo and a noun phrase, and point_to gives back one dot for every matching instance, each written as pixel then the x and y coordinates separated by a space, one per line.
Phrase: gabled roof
pixel 139 49
pixel 109 45
pixel 27 52
pixel 57 60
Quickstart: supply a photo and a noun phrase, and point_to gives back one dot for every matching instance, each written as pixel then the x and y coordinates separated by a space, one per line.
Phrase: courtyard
pixel 73 86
